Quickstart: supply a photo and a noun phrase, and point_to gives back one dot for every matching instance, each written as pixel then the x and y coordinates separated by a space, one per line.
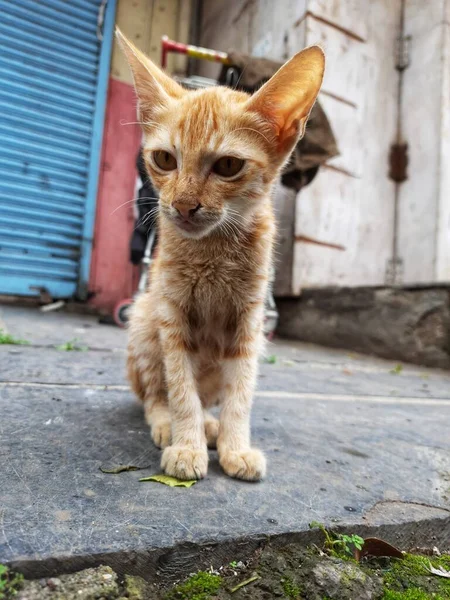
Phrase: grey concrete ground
pixel 351 441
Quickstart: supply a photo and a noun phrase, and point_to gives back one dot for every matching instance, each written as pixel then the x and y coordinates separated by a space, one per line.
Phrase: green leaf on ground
pixel 170 481
pixel 7 338
pixel 396 370
pixel 272 359
pixel 122 468
pixel 72 346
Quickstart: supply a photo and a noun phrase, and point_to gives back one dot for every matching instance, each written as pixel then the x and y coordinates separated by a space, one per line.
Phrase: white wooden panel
pixel 346 121
pixel 327 210
pixel 421 122
pixel 272 26
pixel 348 14
pixel 344 76
pixel 443 228
pixel 337 208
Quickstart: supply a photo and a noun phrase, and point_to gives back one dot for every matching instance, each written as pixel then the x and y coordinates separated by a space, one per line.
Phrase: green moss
pixel 413 594
pixel 10 583
pixel 410 579
pixel 290 589
pixel 200 586
pixel 135 587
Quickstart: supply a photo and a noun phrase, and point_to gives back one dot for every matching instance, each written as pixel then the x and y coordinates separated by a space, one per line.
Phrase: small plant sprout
pixel 338 543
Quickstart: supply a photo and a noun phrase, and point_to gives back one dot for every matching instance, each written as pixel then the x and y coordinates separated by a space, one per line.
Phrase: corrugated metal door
pixel 53 79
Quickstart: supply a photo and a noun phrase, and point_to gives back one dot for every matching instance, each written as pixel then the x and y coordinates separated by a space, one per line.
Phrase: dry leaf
pixel 170 481
pixel 122 468
pixel 377 547
pixel 441 572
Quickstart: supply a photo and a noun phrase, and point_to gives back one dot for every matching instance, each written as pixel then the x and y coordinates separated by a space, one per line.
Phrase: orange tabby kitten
pixel 195 335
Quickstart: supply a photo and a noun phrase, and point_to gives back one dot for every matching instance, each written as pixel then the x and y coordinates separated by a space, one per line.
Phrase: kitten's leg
pixel 209 385
pixel 236 456
pixel 187 458
pixel 146 371
pixel 211 430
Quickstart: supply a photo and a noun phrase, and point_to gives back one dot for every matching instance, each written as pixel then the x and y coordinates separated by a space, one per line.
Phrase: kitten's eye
pixel 164 160
pixel 228 166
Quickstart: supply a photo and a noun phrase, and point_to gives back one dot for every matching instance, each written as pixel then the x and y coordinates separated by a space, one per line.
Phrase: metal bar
pixel 30 285
pixel 51 120
pixel 8 174
pixel 23 167
pixel 53 13
pixel 45 105
pixel 82 70
pixel 66 229
pixel 62 208
pixel 96 148
pixel 56 239
pixel 168 45
pixel 33 38
pixel 73 160
pixel 16 70
pixel 36 247
pixel 58 28
pixel 44 131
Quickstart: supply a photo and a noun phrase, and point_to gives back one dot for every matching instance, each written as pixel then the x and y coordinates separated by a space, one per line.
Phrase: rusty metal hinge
pixel 398 162
pixel 394 271
pixel 403 54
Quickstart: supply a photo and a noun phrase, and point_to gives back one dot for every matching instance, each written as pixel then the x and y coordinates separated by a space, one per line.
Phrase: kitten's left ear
pixel 286 100
pixel 153 87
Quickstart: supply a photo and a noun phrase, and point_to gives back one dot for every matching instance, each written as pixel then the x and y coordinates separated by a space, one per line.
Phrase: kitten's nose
pixel 185 210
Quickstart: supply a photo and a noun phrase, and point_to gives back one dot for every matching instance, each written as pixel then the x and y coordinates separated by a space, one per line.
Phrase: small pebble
pixel 273 521
pixel 53 583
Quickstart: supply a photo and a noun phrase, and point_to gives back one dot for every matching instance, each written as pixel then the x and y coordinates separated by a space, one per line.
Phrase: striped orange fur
pixel 195 335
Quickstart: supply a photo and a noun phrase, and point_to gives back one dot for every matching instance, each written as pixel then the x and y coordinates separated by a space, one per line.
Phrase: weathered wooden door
pixel 352 202
pixel 423 233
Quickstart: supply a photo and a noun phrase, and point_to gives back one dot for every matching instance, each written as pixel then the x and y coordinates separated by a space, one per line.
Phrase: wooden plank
pixel 134 19
pixel 164 21
pixel 421 124
pixel 183 31
pixel 350 15
pixel 144 22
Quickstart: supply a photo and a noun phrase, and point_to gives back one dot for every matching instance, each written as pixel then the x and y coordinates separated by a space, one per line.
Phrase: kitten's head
pixel 214 153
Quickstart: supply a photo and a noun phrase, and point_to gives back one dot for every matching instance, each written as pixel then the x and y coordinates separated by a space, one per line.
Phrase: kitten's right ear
pixel 153 87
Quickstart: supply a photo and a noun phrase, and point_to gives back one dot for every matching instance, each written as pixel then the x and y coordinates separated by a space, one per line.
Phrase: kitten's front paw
pixel 161 434
pixel 248 464
pixel 184 462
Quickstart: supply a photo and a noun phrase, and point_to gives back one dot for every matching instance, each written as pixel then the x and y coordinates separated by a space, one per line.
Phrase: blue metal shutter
pixel 53 81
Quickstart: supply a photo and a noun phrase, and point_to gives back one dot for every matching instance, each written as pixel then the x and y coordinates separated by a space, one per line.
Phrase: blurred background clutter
pixel 363 207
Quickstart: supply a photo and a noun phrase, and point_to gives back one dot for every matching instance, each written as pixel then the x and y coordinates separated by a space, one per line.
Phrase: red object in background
pixel 113 277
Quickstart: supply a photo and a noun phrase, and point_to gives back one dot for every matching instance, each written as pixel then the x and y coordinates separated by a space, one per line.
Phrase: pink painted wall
pixel 113 277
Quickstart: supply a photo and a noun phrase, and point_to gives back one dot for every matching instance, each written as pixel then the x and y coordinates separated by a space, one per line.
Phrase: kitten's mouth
pixel 186 225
